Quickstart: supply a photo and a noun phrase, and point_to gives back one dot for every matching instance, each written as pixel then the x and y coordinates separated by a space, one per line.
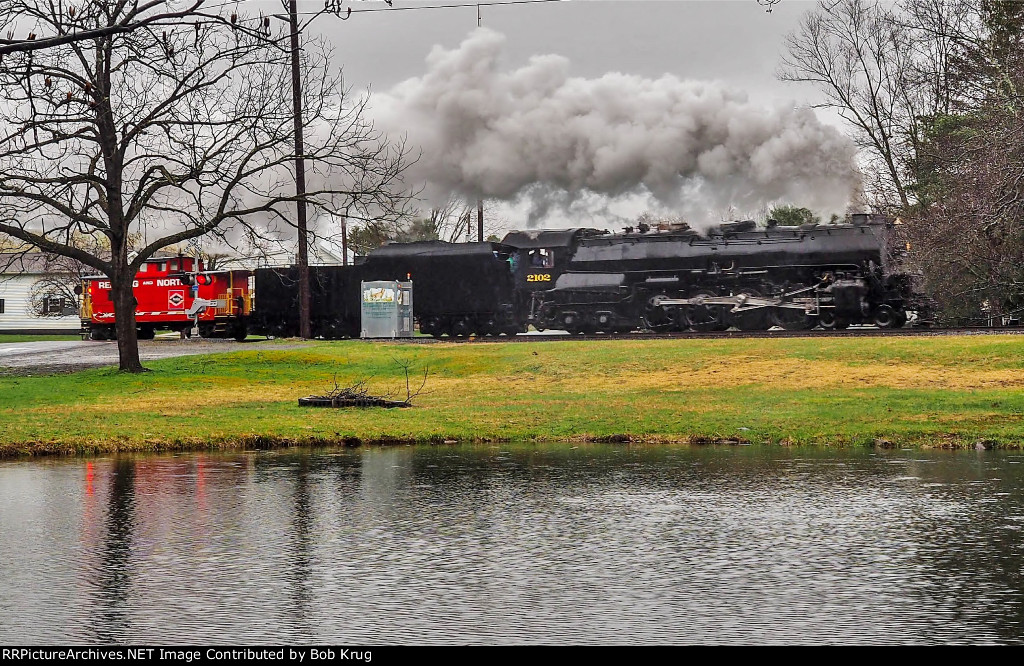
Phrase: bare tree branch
pixel 170 122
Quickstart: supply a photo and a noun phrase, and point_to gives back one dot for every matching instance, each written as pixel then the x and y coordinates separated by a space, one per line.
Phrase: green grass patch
pixel 9 337
pixel 935 391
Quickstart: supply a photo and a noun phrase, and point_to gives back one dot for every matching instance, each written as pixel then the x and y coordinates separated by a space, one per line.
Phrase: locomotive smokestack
pixel 536 133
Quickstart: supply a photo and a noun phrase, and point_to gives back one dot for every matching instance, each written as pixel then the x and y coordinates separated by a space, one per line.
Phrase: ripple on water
pixel 529 544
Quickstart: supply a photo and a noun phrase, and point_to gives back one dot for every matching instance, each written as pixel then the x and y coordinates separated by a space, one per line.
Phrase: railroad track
pixel 853 332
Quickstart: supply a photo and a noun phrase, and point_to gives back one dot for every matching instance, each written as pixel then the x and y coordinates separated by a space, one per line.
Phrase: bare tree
pixel 178 128
pixel 454 222
pixel 860 56
pixel 54 294
pixel 131 16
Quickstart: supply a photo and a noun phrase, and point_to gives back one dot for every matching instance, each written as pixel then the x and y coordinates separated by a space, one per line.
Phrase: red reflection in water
pixel 200 483
pixel 89 479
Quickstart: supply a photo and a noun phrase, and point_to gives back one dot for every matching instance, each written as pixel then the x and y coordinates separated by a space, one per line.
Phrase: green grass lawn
pixel 934 391
pixel 8 337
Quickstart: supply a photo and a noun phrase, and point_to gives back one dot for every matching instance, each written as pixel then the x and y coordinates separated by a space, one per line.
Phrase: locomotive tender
pixel 589 280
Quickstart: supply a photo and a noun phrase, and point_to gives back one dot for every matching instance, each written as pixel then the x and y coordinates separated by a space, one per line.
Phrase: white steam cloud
pixel 537 133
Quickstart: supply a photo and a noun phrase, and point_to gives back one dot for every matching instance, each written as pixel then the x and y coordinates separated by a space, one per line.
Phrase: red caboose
pixel 173 293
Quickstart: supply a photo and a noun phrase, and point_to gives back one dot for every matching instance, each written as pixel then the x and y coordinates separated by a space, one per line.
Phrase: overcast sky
pixel 735 43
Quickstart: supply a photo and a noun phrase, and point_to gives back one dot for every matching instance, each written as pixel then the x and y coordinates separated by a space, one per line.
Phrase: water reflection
pixel 112 576
pixel 300 550
pixel 515 543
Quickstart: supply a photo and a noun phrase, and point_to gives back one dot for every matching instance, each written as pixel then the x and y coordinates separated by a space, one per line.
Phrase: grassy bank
pixel 942 391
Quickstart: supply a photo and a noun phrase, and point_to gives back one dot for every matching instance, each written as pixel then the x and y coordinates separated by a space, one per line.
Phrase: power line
pixel 464 4
pixel 350 10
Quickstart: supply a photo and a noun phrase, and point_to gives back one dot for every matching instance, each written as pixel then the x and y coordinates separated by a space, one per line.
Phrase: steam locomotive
pixel 589 280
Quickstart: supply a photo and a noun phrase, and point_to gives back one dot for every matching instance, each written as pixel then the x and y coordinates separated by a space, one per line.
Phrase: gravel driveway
pixel 28 358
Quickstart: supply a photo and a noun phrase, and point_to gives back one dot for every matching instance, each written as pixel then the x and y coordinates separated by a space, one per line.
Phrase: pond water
pixel 515 544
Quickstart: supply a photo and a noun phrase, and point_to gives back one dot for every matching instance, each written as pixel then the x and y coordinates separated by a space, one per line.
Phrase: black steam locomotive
pixel 590 280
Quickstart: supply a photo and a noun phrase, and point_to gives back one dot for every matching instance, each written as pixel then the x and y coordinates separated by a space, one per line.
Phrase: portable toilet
pixel 387 309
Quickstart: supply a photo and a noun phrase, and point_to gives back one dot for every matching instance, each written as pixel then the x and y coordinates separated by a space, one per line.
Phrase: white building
pixel 35 297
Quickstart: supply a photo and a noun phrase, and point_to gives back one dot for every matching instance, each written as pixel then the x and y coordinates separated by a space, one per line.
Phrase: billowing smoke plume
pixel 538 133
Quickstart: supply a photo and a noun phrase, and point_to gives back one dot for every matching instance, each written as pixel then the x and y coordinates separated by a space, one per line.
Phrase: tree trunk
pixel 124 321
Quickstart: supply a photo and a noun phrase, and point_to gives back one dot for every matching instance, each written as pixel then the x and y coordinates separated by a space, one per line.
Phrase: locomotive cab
pixel 541 256
pixel 535 268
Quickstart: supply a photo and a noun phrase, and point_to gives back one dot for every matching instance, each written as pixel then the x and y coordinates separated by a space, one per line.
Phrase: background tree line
pixel 931 91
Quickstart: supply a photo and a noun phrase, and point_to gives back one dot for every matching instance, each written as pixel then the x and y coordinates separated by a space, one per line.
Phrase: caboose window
pixel 144 267
pixel 173 265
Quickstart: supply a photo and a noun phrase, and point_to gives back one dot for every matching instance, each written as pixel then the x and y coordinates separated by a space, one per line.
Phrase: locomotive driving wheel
pixel 658 318
pixel 791 319
pixel 749 320
pixel 885 316
pixel 706 317
pixel 830 322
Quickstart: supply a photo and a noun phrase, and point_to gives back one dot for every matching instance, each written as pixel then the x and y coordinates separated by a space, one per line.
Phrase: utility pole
pixel 480 220
pixel 479 202
pixel 305 330
pixel 344 238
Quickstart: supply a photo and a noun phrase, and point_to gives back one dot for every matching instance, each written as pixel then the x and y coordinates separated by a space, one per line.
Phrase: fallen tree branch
pixel 358 395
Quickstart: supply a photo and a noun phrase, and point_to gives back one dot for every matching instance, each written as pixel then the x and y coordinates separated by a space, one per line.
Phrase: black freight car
pixel 459 288
pixel 334 301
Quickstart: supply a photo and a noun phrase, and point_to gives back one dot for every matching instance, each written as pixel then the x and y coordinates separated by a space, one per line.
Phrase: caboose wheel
pixel 102 333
